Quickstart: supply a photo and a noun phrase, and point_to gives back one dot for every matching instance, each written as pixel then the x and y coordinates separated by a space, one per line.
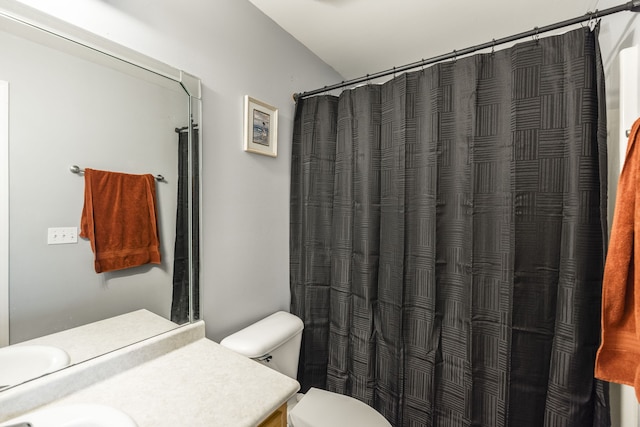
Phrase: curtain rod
pixel 633 6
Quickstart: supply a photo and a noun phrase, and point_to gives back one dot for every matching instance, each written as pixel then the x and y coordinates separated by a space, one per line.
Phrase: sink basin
pixel 19 363
pixel 74 415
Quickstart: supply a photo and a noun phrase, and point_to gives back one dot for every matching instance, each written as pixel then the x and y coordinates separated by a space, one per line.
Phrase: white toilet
pixel 275 342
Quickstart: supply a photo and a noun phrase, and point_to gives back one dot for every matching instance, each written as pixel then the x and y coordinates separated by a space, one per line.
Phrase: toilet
pixel 275 342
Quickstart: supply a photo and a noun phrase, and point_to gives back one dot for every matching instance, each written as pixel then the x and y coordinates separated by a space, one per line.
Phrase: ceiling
pixel 360 37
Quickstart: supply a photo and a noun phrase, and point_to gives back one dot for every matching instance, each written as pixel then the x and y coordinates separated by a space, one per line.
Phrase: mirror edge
pixel 191 84
pixel 22 14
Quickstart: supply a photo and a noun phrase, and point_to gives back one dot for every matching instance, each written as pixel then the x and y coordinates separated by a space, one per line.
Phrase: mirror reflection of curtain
pixel 448 231
pixel 181 264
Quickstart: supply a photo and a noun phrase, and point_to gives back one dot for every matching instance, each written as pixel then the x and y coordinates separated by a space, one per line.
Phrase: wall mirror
pixel 68 97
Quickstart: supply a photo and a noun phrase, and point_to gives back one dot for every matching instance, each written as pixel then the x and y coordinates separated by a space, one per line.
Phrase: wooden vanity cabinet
pixel 278 418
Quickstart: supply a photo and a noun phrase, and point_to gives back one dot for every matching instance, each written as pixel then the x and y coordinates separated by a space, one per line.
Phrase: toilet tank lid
pixel 262 337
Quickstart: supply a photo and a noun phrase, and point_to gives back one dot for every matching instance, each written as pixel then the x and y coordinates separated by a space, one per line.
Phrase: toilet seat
pixel 321 408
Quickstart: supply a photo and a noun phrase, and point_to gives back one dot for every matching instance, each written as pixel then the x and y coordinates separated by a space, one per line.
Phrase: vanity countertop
pixel 179 378
pixel 201 384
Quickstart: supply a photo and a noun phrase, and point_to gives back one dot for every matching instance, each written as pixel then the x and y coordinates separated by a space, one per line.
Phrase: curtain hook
pixel 593 21
pixel 422 65
pixel 536 36
pixel 493 46
pixel 455 56
pixel 394 72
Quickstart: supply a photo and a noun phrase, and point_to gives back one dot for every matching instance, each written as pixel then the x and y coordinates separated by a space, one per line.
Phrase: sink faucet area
pixel 21 363
pixel 75 415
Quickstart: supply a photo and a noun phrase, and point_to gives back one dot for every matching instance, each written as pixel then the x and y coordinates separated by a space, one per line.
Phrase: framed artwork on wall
pixel 260 127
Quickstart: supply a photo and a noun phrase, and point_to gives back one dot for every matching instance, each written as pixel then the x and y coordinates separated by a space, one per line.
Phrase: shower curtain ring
pixel 536 36
pixel 455 56
pixel 593 20
pixel 493 46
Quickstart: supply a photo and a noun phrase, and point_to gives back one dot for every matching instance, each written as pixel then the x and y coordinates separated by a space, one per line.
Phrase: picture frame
pixel 260 127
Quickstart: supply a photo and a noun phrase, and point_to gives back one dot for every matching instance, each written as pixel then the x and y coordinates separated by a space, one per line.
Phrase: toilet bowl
pixel 321 408
pixel 275 342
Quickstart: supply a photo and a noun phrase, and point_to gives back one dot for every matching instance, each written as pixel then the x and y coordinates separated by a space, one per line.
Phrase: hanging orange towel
pixel 119 218
pixel 618 358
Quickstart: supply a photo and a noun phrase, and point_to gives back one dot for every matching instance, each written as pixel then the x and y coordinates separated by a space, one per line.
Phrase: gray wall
pixel 63 111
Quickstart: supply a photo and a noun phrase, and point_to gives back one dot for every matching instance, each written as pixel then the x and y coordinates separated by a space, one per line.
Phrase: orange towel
pixel 618 358
pixel 119 218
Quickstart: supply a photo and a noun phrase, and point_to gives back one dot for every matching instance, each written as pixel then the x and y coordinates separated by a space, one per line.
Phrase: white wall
pixel 235 50
pixel 4 213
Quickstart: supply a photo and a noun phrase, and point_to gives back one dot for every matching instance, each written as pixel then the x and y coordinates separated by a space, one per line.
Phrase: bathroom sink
pixel 74 415
pixel 19 363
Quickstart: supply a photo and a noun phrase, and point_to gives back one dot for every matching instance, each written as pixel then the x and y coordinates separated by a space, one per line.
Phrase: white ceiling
pixel 360 37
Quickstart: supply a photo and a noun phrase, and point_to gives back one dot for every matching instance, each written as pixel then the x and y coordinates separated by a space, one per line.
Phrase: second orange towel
pixel 618 358
pixel 120 220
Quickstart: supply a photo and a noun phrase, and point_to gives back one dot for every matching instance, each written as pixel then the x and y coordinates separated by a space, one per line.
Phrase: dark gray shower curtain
pixel 448 232
pixel 182 265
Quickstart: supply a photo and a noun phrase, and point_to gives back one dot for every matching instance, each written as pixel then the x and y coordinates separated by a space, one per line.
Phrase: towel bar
pixel 76 169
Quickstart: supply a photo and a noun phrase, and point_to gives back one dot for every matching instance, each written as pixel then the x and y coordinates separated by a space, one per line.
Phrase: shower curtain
pixel 181 262
pixel 448 233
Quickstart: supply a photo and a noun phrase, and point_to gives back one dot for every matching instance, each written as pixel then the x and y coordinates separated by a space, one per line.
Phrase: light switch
pixel 62 235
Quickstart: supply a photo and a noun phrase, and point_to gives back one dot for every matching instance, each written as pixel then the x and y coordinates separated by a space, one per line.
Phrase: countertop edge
pixel 48 388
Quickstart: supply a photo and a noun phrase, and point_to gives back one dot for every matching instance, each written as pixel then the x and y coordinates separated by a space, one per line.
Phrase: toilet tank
pixel 273 341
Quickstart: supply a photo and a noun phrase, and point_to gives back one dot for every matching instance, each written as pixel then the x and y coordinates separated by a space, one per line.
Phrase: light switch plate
pixel 62 235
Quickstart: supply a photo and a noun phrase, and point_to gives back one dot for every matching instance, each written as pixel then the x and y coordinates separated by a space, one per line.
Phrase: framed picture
pixel 260 127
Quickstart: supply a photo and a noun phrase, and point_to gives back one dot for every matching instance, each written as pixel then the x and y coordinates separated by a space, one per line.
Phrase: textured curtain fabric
pixel 181 263
pixel 448 233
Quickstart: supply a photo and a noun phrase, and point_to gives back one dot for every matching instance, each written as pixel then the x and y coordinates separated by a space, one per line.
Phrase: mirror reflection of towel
pixel 120 220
